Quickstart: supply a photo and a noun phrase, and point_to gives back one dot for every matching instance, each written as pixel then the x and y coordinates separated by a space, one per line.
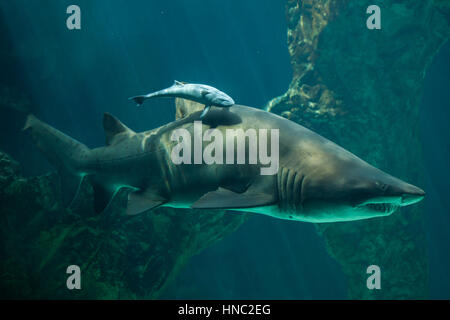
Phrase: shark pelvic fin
pixel 102 197
pixel 70 186
pixel 142 201
pixel 115 130
pixel 223 198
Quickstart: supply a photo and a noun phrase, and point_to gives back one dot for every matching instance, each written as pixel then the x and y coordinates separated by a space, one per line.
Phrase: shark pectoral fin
pixel 140 202
pixel 205 111
pixel 226 199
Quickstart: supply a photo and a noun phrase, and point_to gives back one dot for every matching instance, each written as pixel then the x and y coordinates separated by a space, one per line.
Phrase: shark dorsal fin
pixel 185 108
pixel 115 130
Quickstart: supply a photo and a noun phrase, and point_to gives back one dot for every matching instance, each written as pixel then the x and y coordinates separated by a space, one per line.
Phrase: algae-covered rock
pixel 119 256
pixel 361 88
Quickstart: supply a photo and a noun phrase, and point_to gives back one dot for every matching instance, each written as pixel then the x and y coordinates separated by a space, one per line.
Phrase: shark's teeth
pixel 382 207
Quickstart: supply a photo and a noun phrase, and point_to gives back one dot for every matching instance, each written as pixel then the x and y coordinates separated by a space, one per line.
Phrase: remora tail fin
pixel 65 153
pixel 139 100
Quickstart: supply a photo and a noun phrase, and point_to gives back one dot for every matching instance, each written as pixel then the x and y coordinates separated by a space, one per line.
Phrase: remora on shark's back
pixel 317 180
pixel 201 93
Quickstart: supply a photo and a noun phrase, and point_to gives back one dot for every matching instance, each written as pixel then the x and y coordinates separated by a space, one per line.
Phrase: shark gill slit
pixel 167 172
pixel 289 185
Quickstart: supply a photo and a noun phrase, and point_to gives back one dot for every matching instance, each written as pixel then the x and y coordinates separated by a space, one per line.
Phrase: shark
pixel 316 181
pixel 202 93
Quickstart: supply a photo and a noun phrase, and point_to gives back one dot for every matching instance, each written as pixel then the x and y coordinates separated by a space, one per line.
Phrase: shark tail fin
pixel 66 154
pixel 139 100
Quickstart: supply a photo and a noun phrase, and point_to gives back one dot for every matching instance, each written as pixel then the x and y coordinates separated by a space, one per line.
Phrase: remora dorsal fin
pixel 186 107
pixel 178 83
pixel 115 130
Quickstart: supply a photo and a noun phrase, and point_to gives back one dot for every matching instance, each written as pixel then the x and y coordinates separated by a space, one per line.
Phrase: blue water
pixel 132 47
pixel 435 125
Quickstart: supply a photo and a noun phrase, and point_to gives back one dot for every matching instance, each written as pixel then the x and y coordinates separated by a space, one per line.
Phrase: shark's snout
pixel 387 193
pixel 355 190
pixel 413 195
pixel 407 193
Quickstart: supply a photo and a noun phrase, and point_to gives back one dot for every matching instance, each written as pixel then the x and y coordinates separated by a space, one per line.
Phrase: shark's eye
pixel 381 186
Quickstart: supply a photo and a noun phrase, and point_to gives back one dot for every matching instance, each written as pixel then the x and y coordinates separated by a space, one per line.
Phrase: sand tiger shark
pixel 317 180
pixel 201 93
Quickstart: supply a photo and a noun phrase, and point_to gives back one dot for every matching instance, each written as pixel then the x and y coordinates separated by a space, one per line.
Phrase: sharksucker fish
pixel 317 180
pixel 201 93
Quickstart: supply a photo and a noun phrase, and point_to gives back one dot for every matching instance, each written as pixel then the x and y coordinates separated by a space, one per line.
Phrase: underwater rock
pixel 361 88
pixel 119 256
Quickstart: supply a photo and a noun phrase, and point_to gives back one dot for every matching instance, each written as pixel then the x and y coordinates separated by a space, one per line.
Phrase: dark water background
pixel 435 125
pixel 133 47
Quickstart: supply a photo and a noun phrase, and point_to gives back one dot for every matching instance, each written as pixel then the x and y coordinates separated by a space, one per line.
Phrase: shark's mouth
pixel 388 205
pixel 384 205
pixel 386 208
